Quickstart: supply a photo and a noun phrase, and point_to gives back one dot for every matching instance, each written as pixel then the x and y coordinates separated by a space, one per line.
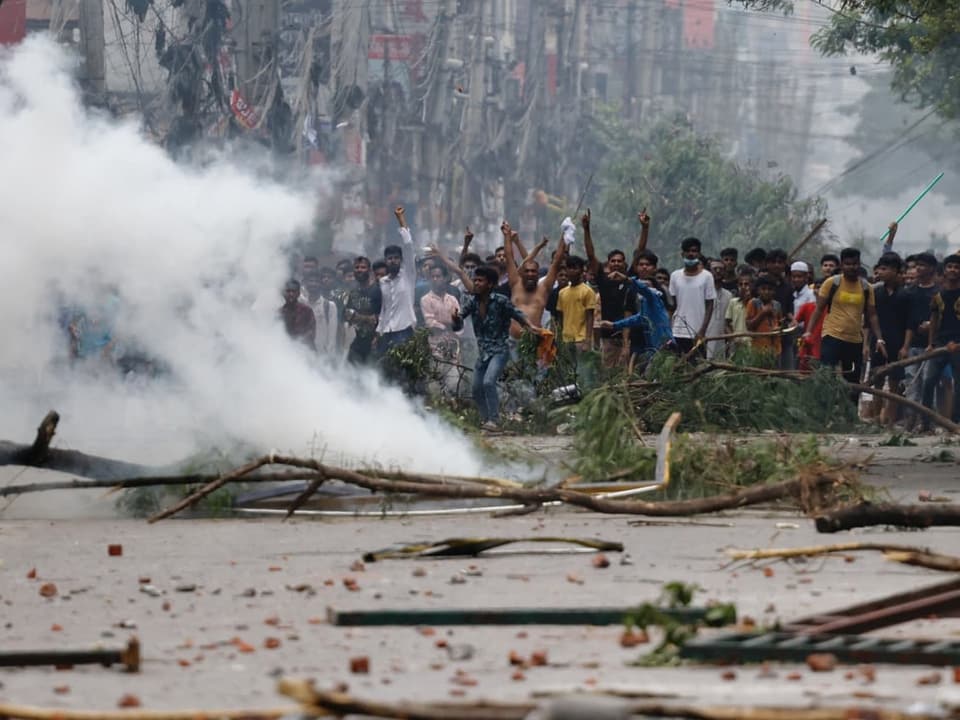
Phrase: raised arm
pixel 558 257
pixel 508 238
pixel 592 263
pixel 644 230
pixel 465 250
pixel 452 267
pixel 888 245
pixel 409 256
pixel 537 249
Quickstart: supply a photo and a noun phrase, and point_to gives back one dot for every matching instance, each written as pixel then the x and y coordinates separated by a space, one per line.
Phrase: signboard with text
pixel 13 21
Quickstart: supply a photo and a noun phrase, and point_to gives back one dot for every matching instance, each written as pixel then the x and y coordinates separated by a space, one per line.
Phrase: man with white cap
pixel 802 292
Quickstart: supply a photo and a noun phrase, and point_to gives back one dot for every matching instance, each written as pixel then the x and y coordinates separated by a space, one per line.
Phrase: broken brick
pixel 48 590
pixel 128 701
pixel 728 675
pixel 116 550
pixel 61 689
pixel 632 638
pixel 360 665
pixel 32 575
pixel 271 643
pixel 768 572
pixel 538 657
pixel 600 561
pixel 931 679
pixel 821 662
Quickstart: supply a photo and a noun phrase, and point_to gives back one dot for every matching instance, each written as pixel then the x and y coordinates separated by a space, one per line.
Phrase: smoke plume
pixel 186 265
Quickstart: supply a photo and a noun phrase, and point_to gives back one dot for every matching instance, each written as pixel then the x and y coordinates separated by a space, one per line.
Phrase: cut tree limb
pixel 920 557
pixel 935 417
pixel 879 372
pixel 931 561
pixel 30 712
pixel 806 490
pixel 308 493
pixel 867 514
pixel 210 487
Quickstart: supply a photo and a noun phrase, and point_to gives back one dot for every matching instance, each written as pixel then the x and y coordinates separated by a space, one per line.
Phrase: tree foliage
pixel 690 186
pixel 920 39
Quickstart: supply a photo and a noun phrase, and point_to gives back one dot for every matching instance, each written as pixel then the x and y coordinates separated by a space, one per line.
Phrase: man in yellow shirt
pixel 576 306
pixel 846 299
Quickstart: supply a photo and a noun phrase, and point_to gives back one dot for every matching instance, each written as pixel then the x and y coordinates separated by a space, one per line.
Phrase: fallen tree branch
pixel 341 704
pixel 30 712
pixel 308 493
pixel 806 490
pixel 920 557
pixel 750 370
pixel 148 481
pixel 882 370
pixel 38 453
pixel 867 514
pixel 934 416
pixel 931 561
pixel 814 550
pixel 767 333
pixel 210 487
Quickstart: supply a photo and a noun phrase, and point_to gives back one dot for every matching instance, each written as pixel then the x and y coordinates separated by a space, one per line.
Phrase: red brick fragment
pixel 822 662
pixel 128 701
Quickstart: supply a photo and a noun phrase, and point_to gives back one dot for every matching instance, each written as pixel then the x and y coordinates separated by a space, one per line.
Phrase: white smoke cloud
pixel 196 258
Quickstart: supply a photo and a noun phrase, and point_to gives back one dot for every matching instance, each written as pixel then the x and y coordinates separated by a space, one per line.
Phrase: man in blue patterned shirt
pixel 492 314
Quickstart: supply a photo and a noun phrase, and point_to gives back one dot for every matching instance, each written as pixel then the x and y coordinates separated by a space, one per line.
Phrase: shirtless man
pixel 528 294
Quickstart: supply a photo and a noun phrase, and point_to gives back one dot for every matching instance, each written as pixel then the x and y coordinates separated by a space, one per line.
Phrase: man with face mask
pixel 694 294
pixel 361 310
pixel 618 298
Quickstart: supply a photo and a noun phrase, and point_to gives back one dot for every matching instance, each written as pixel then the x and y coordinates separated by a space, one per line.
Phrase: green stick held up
pixel 906 212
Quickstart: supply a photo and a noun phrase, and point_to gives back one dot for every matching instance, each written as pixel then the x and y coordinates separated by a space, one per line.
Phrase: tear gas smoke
pixel 186 265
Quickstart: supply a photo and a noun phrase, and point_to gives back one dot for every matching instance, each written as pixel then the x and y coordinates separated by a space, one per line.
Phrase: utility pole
pixel 473 118
pixel 435 113
pixel 631 70
pixel 92 47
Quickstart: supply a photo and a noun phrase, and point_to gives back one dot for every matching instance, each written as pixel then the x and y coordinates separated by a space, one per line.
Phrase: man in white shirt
pixel 397 287
pixel 694 295
pixel 324 309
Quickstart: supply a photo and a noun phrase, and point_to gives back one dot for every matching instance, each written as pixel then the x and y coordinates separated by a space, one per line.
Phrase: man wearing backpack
pixel 846 299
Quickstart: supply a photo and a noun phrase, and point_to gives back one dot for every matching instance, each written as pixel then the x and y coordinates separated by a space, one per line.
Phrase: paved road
pixel 260 578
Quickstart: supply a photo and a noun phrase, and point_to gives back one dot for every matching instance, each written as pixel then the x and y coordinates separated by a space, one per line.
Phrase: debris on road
pixel 472 547
pixel 129 657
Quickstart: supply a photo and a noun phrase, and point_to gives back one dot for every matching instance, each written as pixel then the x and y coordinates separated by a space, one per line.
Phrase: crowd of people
pixel 780 311
pixel 770 310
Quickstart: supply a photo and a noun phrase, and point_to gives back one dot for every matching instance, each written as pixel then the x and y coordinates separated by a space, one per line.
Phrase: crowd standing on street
pixel 774 309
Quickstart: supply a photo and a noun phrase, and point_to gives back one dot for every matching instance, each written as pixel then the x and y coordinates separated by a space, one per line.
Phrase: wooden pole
pixel 810 236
